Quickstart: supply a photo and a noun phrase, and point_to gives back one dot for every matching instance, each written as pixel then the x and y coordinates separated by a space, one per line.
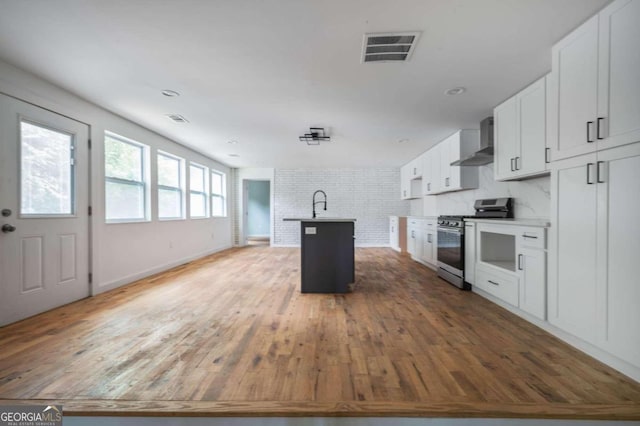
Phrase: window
pixel 47 171
pixel 170 204
pixel 218 194
pixel 198 190
pixel 125 179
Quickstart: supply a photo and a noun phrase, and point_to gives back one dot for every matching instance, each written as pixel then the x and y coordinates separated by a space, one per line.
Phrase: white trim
pixel 129 279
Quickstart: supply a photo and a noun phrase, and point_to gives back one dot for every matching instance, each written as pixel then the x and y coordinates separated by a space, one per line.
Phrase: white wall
pixel 369 195
pixel 122 253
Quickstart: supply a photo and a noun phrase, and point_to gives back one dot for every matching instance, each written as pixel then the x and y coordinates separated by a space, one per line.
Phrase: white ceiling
pixel 263 71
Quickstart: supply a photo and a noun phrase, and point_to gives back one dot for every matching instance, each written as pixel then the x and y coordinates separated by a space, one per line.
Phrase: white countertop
pixel 542 223
pixel 319 219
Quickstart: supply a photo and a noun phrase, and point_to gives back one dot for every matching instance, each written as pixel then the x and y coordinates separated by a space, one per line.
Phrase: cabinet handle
pixel 547 159
pixel 589 125
pixel 599 173
pixel 392 229
pixel 446 181
pixel 429 238
pixel 518 163
pixel 413 234
pixel 589 173
pixel 520 262
pixel 415 172
pixel 512 169
pixel 599 127
pixel 492 282
pixel 530 236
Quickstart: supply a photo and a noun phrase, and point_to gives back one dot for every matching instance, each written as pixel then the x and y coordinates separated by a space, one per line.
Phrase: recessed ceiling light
pixel 234 155
pixel 455 91
pixel 170 93
pixel 232 142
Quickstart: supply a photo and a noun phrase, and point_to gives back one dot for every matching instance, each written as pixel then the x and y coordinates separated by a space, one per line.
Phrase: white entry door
pixel 44 198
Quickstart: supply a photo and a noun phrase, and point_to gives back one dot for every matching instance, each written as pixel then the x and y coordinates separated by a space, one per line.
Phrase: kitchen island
pixel 327 254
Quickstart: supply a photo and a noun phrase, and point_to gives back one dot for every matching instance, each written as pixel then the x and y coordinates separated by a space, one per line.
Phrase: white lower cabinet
pixel 594 290
pixel 414 237
pixel 429 242
pixel 510 264
pixel 470 252
pixel 502 285
pixel 532 268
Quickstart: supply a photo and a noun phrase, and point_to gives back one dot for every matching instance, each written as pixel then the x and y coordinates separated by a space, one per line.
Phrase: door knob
pixel 6 228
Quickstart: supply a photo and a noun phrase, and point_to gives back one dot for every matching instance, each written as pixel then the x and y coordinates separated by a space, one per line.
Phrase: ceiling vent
pixel 389 47
pixel 177 118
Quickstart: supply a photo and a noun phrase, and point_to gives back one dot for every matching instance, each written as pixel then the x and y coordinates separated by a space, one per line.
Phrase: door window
pixel 47 171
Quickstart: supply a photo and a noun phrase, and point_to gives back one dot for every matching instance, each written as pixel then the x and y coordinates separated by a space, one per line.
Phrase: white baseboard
pixel 591 350
pixel 110 285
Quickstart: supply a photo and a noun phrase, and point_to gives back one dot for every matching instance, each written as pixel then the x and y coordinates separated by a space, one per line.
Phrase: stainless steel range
pixel 451 238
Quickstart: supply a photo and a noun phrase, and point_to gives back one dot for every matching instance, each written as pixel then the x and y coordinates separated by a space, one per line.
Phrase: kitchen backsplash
pixel 531 197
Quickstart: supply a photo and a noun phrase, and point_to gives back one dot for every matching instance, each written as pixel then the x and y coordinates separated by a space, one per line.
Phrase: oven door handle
pixel 450 230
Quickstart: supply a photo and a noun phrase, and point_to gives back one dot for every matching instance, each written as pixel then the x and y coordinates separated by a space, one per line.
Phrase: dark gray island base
pixel 327 257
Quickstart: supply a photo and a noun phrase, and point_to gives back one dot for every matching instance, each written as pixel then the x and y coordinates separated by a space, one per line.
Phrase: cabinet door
pixel 505 138
pixel 416 168
pixel 530 155
pixel 619 248
pixel 532 269
pixel 411 240
pixel 405 183
pixel 572 277
pixel 445 178
pixel 427 172
pixel 470 253
pixel 575 65
pixel 454 155
pixel 394 240
pixel 618 86
pixel 419 247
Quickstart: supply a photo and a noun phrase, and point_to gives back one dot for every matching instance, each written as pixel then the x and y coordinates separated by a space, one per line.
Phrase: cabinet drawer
pixel 532 237
pixel 500 285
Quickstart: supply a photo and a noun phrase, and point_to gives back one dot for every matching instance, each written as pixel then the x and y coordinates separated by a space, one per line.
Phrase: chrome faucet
pixel 319 202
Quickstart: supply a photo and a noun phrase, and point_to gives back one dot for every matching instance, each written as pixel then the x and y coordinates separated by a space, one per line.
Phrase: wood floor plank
pixel 231 333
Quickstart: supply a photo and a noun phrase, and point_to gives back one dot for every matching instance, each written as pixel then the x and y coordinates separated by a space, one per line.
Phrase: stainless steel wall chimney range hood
pixel 485 154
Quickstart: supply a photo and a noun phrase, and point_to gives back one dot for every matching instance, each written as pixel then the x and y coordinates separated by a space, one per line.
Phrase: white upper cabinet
pixel 410 180
pixel 430 172
pixel 520 134
pixel 456 178
pixel 505 137
pixel 594 91
pixel 619 74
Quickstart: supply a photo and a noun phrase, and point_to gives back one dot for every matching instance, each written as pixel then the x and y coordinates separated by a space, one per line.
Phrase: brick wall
pixel 369 195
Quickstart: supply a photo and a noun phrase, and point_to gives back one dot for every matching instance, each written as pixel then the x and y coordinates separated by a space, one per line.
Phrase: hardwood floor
pixel 231 334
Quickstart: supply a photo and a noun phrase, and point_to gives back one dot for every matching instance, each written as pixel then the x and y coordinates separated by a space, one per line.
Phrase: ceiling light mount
pixel 455 91
pixel 170 93
pixel 315 136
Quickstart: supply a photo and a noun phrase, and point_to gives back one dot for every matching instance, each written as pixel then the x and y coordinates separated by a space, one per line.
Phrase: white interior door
pixel 44 198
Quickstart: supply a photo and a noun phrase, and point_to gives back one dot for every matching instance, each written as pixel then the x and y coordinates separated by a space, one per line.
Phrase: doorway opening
pixel 257 212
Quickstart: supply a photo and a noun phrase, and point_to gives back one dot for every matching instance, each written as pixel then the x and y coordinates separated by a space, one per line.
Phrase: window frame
pixel 222 196
pixel 179 189
pixel 205 193
pixel 144 183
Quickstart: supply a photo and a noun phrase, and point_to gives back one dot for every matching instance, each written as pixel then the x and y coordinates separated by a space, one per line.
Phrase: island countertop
pixel 319 219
